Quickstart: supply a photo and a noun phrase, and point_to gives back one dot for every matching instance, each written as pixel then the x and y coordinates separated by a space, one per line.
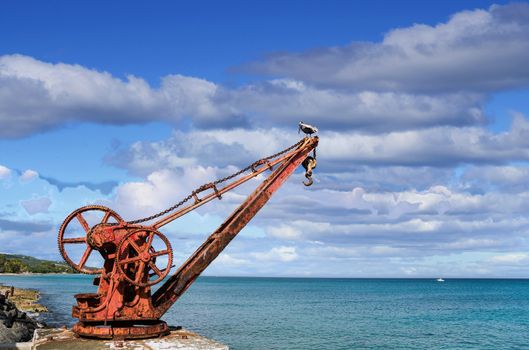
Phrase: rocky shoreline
pixel 16 323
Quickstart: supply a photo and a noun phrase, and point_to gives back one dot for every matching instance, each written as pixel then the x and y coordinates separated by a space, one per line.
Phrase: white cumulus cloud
pixel 282 253
pixel 478 50
pixel 4 172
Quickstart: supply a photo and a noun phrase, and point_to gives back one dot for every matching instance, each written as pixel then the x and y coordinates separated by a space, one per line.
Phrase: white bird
pixel 307 129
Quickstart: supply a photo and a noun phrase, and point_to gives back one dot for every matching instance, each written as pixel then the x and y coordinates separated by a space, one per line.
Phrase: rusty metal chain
pixel 217 182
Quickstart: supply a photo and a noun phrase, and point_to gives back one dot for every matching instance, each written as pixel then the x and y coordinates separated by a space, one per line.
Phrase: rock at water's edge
pixel 15 325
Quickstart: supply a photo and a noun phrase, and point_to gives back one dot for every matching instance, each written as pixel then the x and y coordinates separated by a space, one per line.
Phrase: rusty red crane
pixel 136 257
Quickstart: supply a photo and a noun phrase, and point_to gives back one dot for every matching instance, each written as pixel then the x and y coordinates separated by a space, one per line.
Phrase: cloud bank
pixel 479 50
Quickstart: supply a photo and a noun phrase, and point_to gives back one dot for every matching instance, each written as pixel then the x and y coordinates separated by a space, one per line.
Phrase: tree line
pixel 12 264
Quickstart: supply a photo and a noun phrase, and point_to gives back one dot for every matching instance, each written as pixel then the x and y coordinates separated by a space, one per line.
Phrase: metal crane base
pixel 122 330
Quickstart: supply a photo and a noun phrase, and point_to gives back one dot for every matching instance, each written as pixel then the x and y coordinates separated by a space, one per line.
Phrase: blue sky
pixel 422 106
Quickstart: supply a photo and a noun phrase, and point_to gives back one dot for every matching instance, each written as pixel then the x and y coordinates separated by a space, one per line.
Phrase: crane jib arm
pixel 177 284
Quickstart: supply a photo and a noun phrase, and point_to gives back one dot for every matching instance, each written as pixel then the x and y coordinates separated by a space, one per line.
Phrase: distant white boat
pixel 440 280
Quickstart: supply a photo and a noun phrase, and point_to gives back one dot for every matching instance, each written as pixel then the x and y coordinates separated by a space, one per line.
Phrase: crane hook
pixel 309 163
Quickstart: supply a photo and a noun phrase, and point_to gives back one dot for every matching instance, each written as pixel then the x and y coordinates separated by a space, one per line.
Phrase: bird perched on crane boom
pixel 307 128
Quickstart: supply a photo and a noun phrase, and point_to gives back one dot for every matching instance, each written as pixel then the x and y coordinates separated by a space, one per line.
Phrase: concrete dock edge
pixel 58 339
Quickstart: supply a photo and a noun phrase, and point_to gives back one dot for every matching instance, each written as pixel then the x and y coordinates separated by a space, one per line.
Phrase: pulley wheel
pixel 69 235
pixel 138 253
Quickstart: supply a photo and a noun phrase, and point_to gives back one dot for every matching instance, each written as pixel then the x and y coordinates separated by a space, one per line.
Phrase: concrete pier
pixel 58 339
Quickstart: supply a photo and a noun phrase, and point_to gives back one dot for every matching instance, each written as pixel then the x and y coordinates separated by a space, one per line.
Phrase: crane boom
pixel 180 281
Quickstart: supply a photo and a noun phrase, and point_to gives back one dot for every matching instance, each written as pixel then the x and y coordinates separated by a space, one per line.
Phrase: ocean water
pixel 299 313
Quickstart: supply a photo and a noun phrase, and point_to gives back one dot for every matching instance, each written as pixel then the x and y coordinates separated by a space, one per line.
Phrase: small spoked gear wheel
pixel 136 257
pixel 80 215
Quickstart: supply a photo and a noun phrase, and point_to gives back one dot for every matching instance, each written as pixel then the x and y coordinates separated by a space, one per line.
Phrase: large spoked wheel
pixel 138 254
pixel 73 234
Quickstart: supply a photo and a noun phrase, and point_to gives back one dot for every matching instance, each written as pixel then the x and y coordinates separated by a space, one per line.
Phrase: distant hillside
pixel 20 263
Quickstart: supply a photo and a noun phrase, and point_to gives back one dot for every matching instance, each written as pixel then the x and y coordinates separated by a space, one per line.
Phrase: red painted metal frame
pixel 123 307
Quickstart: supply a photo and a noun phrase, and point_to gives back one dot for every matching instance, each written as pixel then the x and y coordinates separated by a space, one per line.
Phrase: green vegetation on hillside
pixel 21 263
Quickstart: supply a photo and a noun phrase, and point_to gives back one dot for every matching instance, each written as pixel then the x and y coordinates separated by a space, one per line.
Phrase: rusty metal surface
pixel 63 242
pixel 125 330
pixel 123 306
pixel 136 252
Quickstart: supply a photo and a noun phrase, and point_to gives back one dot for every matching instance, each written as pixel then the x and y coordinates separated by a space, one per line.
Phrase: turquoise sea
pixel 299 313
